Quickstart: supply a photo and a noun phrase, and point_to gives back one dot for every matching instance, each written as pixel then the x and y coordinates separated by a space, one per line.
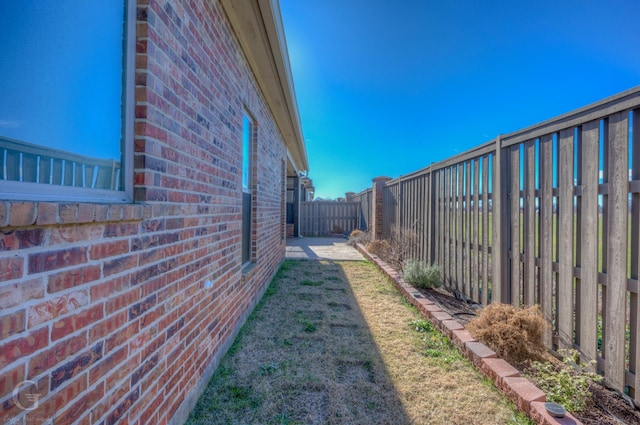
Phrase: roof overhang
pixel 258 26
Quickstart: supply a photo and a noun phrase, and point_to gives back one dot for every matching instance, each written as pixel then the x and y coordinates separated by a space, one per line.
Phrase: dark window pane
pixel 246 227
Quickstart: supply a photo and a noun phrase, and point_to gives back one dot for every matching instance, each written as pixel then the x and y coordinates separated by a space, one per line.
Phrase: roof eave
pixel 258 25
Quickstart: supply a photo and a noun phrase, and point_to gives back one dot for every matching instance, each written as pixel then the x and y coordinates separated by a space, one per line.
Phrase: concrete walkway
pixel 321 249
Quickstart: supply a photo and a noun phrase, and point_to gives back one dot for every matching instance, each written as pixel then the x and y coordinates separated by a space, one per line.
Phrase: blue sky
pixel 387 87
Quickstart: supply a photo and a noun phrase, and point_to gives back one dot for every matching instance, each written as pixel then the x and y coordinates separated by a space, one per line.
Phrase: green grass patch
pixel 309 282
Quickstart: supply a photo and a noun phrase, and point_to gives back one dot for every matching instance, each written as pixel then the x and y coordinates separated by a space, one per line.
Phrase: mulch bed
pixel 607 407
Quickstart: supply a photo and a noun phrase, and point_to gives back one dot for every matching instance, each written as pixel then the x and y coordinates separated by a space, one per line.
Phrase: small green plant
pixel 310 327
pixel 566 383
pixel 271 289
pixel 520 418
pixel 268 369
pixel 309 282
pixel 241 397
pixel 420 275
pixel 422 325
pixel 286 265
pixel 437 345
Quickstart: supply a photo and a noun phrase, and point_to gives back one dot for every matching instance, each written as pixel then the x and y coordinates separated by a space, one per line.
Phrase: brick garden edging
pixel 525 395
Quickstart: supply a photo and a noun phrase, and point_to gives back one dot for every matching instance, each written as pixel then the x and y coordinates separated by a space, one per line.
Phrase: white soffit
pixel 258 26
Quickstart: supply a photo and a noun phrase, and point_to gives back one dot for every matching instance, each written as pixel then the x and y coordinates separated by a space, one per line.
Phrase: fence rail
pixel 547 215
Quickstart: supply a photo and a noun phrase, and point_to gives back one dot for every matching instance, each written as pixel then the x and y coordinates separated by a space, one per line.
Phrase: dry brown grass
pixel 341 351
pixel 515 334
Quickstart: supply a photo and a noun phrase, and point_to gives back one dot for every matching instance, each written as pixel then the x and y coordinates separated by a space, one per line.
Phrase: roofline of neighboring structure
pixel 258 25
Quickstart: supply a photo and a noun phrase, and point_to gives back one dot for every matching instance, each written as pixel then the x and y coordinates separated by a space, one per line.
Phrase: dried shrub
pixel 515 334
pixel 398 248
pixel 337 229
pixel 381 248
pixel 359 237
pixel 404 245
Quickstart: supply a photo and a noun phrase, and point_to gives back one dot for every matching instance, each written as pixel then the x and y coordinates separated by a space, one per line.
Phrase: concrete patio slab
pixel 309 248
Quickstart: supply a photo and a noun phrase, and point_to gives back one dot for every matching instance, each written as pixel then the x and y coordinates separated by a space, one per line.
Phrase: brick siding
pixel 104 307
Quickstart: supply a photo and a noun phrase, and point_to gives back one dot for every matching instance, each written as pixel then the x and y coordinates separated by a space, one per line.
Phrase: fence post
pixel 377 216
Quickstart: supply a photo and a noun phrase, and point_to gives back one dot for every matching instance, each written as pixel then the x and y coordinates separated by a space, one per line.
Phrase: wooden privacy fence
pixel 364 200
pixel 547 215
pixel 321 218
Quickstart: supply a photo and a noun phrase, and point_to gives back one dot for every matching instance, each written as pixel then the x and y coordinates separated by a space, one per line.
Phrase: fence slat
pixel 447 233
pixel 429 217
pixel 441 220
pixel 423 215
pixel 514 205
pixel 467 231
pixel 614 352
pixel 485 230
pixel 634 322
pixel 498 224
pixel 604 242
pixel 546 231
pixel 589 241
pixel 475 270
pixel 459 235
pixel 436 229
pixel 529 223
pixel 565 237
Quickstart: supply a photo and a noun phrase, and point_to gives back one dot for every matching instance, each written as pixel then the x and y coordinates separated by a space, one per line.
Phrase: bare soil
pixel 606 406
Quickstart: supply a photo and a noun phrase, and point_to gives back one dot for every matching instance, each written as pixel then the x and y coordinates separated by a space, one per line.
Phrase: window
pixel 291 198
pixel 283 201
pixel 65 114
pixel 247 186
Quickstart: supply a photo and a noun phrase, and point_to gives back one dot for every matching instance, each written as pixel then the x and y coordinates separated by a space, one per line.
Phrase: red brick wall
pixel 104 307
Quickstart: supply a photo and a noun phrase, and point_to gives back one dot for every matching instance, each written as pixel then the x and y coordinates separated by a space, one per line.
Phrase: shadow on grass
pixel 305 356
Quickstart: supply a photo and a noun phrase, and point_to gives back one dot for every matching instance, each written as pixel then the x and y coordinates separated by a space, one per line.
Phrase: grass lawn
pixel 334 342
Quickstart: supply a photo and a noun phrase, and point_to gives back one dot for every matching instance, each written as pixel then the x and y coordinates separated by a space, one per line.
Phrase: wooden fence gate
pixel 322 218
